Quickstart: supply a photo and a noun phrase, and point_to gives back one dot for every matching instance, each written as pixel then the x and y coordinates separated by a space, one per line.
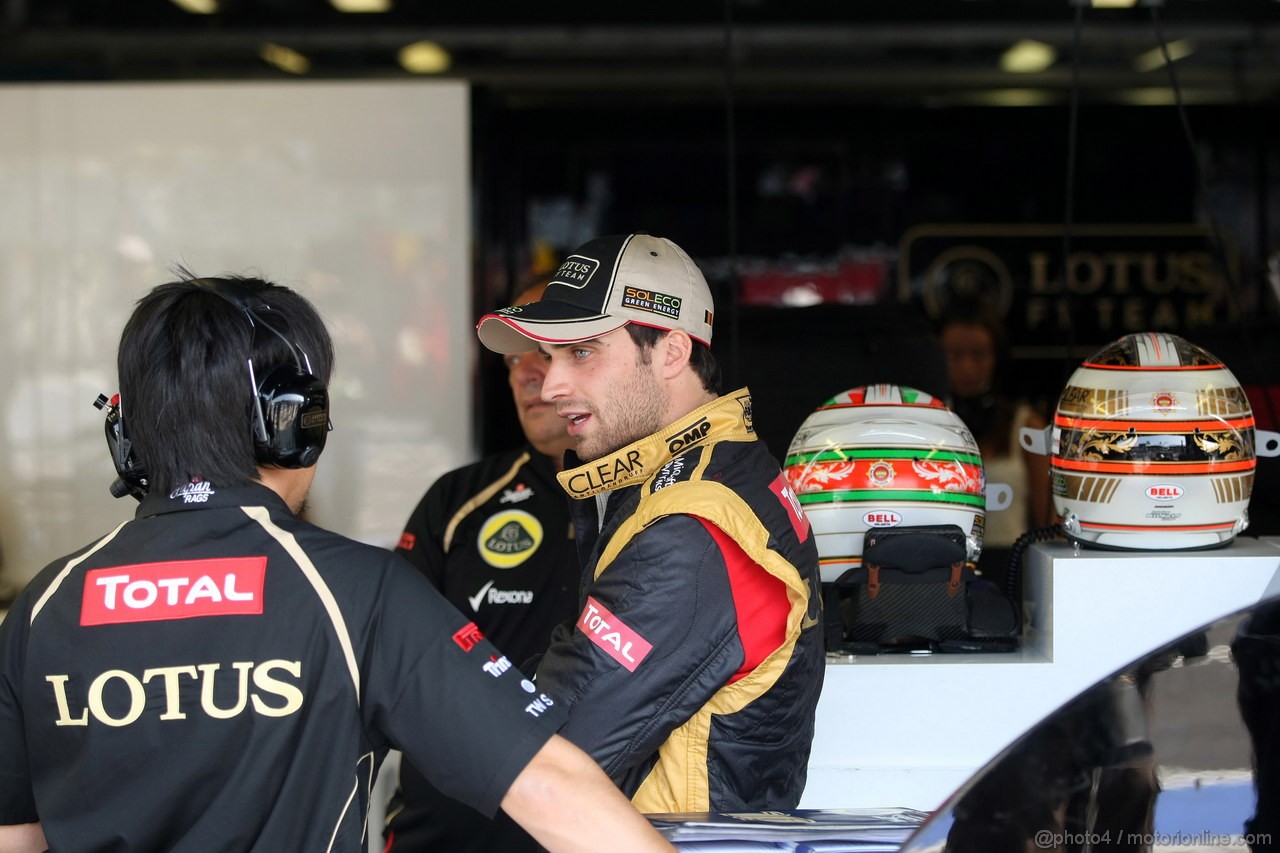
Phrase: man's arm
pixel 563 799
pixel 27 838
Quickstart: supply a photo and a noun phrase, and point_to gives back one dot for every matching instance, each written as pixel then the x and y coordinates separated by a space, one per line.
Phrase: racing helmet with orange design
pixel 1153 447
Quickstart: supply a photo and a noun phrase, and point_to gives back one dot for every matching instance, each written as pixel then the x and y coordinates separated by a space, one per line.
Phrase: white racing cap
pixel 605 284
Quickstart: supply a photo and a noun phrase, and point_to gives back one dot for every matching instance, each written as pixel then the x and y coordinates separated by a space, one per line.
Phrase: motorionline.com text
pixel 1049 840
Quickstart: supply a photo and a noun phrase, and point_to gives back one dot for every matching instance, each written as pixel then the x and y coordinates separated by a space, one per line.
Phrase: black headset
pixel 289 408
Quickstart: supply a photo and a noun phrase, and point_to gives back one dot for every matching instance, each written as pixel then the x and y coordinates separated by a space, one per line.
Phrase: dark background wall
pixel 828 193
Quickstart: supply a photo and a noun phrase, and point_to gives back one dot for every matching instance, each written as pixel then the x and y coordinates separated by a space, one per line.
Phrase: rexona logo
pixel 499 596
pixel 695 433
pixel 607 631
pixel 1165 492
pixel 183 589
pixel 119 698
pixel 882 518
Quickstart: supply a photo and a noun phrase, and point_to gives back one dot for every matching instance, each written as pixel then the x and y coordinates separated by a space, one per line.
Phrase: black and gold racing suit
pixel 694 667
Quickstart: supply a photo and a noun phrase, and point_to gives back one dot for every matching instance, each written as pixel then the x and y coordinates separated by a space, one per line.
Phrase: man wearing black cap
pixel 694 666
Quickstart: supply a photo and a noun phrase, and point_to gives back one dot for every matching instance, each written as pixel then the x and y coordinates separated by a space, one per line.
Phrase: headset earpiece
pixel 291 414
pixel 289 411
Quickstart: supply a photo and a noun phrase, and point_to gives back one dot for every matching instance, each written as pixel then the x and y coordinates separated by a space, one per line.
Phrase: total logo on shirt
pixel 180 589
pixel 508 538
pixel 618 640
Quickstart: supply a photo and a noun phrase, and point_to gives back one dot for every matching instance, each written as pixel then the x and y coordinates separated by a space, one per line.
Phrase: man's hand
pixel 563 799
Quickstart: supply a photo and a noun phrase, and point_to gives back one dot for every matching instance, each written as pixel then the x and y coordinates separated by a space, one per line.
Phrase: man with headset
pixel 217 673
pixel 495 538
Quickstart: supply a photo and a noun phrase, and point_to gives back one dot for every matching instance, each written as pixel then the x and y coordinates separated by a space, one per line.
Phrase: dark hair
pixel 185 390
pixel 700 359
pixel 973 311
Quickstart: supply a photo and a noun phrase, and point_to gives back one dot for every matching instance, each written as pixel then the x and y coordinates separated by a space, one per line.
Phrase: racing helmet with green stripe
pixel 884 456
pixel 1153 447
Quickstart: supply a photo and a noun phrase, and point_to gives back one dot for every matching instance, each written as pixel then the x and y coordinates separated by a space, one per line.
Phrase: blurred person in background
pixel 973 342
pixel 495 538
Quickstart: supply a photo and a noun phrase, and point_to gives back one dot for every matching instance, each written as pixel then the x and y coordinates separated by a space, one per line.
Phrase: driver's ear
pixel 677 350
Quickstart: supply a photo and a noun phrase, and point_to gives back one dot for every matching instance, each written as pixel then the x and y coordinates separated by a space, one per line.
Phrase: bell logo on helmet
pixel 1165 492
pixel 882 518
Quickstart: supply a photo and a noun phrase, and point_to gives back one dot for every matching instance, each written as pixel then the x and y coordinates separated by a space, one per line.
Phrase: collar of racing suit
pixel 726 418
